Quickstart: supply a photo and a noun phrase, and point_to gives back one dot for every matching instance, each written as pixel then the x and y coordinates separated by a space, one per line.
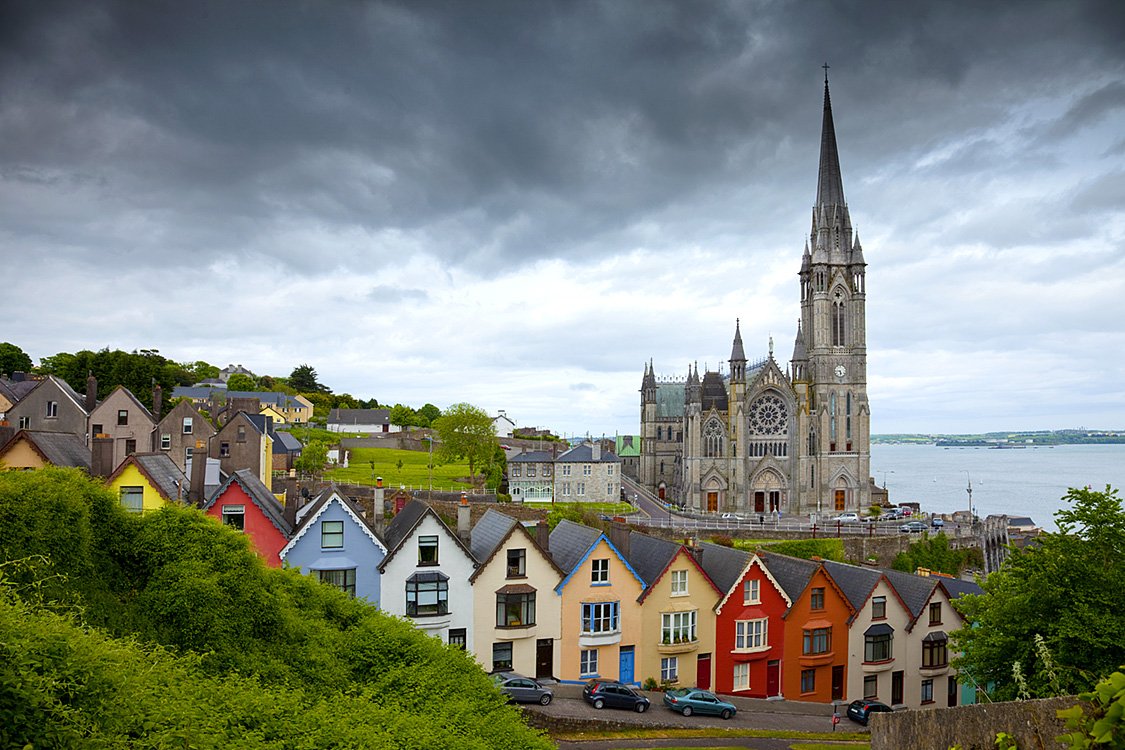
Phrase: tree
pixel 314 456
pixel 465 432
pixel 241 382
pixel 427 414
pixel 403 416
pixel 1061 588
pixel 13 359
pixel 935 553
pixel 303 378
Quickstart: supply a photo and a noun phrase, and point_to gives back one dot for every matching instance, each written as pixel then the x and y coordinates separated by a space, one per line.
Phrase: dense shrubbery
pixel 826 549
pixel 204 645
pixel 935 553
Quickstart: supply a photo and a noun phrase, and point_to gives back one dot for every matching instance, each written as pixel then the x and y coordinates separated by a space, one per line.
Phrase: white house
pixel 503 424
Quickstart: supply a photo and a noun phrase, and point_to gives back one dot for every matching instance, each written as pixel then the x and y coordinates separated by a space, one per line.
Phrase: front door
pixel 544 658
pixel 838 683
pixel 896 688
pixel 703 672
pixel 660 492
pixel 951 692
pixel 626 664
pixel 759 502
pixel 840 494
pixel 775 501
pixel 773 677
pixel 712 502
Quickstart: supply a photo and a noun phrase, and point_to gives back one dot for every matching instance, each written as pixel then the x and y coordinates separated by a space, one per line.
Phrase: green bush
pixel 826 549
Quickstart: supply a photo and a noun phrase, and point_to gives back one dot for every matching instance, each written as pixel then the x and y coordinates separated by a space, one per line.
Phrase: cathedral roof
pixel 799 354
pixel 669 400
pixel 714 392
pixel 737 353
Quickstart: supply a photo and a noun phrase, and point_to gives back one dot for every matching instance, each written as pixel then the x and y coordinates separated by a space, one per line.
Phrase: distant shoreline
pixel 1006 439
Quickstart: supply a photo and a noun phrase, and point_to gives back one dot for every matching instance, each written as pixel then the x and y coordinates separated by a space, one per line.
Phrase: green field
pixel 610 509
pixel 413 474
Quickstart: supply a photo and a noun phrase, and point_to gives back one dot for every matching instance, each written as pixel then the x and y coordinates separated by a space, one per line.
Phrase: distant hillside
pixel 1078 436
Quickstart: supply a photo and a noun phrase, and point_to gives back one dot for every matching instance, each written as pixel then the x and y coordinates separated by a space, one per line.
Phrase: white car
pixel 732 517
pixel 847 518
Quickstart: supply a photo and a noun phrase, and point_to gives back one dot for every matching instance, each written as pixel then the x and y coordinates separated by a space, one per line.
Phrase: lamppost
pixel 885 473
pixel 430 464
pixel 969 489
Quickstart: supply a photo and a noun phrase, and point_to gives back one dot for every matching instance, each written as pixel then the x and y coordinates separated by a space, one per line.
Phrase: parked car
pixel 912 527
pixel 690 701
pixel 602 693
pixel 522 689
pixel 861 711
pixel 847 518
pixel 937 523
pixel 732 517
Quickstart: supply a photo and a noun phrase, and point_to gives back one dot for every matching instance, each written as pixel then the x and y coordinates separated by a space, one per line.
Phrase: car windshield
pixel 679 692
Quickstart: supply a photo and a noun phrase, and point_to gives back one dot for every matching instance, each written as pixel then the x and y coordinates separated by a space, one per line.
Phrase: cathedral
pixel 763 438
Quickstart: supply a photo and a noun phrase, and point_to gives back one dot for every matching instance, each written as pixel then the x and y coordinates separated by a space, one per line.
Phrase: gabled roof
pixel 585 454
pixel 957 588
pixel 542 457
pixel 752 562
pixel 317 509
pixel 725 565
pixel 14 390
pixel 913 590
pixel 359 416
pixel 792 573
pixel 652 557
pixel 569 537
pixel 259 494
pixel 56 448
pixel 63 386
pixel 403 525
pixel 285 442
pixel 161 472
pixel 132 397
pixel 484 547
pixel 628 446
pixel 856 582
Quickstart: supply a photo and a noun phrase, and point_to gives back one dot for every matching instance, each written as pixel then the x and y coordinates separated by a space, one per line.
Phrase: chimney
pixel 619 537
pixel 101 456
pixel 91 393
pixel 198 477
pixel 157 401
pixel 464 518
pixel 292 501
pixel 380 499
pixel 596 451
pixel 543 535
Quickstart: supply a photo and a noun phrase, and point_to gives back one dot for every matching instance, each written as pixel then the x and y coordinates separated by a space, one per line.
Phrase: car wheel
pixel 598 703
pixel 687 711
pixel 641 708
pixel 545 699
pixel 726 714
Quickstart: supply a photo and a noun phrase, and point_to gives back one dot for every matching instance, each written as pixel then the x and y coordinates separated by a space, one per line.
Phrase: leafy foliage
pixel 1056 588
pixel 827 549
pixel 1104 726
pixel 465 432
pixel 241 382
pixel 314 456
pixel 935 553
pixel 303 378
pixel 13 359
pixel 138 371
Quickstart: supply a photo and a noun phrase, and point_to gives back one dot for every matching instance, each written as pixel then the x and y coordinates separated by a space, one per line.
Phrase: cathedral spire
pixel 830 186
pixel 737 353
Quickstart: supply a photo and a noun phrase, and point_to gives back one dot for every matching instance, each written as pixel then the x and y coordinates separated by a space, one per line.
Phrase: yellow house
pixel 274 414
pixel 147 482
pixel 600 613
pixel 677 613
pixel 34 449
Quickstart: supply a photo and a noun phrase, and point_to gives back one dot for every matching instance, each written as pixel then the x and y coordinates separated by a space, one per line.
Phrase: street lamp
pixel 885 473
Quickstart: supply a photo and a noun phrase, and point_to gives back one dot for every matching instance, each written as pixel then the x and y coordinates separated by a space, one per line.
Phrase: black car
pixel 614 694
pixel 861 711
pixel 522 689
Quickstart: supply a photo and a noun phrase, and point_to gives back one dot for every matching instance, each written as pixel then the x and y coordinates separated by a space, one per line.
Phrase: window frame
pixel 816 641
pixel 499 663
pixel 231 512
pixel 424 544
pixel 751 591
pixel 588 662
pixel 600 618
pixel 515 610
pixel 870 686
pixel 188 425
pixel 518 569
pixel 165 441
pixel 679 582
pixel 122 417
pixel 751 635
pixel 132 498
pixel 879 608
pixel 440 589
pixel 816 598
pixel 341 578
pixel 669 669
pixel 679 627
pixel 337 532
pixel 935 613
pixel 740 677
pixel 935 653
pixel 808 681
pixel 878 647
pixel 599 571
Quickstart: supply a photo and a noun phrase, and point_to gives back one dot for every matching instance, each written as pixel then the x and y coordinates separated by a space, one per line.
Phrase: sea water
pixel 1030 481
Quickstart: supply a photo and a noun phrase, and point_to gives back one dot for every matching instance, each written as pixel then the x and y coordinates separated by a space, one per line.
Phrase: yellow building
pixel 147 482
pixel 34 449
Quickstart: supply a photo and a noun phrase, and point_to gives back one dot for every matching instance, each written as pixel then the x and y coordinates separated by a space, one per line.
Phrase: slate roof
pixel 284 442
pixel 585 454
pixel 724 565
pixel 714 392
pixel 488 533
pixel 957 587
pixel 542 457
pixel 14 390
pixel 403 523
pixel 259 494
pixel 57 448
pixel 569 542
pixel 650 555
pixel 914 590
pixel 162 471
pixel 272 398
pixel 856 582
pixel 791 573
pixel 359 416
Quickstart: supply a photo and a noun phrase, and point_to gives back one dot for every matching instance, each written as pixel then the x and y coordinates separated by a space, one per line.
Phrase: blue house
pixel 335 543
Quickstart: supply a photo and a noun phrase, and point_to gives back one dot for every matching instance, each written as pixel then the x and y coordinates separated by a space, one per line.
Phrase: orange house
pixel 816 642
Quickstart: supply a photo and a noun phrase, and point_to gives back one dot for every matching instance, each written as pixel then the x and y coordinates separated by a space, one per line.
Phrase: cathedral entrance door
pixel 759 502
pixel 660 492
pixel 775 501
pixel 840 495
pixel 712 502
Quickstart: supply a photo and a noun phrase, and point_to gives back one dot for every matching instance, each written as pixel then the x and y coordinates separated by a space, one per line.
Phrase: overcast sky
pixel 517 204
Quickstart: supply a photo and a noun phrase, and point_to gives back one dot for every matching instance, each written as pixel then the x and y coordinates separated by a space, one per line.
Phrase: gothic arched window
pixel 839 312
pixel 713 439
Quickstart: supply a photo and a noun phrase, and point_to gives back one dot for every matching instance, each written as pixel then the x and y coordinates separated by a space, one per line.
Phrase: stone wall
pixel 1031 723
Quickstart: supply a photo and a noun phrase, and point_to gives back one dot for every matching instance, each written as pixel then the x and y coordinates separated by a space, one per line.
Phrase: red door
pixel 759 502
pixel 703 672
pixel 773 677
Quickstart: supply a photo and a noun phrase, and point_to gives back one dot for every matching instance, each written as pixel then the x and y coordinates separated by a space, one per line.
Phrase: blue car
pixel 690 701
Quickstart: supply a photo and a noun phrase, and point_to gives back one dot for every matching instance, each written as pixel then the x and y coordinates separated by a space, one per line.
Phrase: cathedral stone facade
pixel 761 438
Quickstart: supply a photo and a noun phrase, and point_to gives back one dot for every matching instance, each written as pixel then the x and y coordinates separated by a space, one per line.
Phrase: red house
pixel 246 504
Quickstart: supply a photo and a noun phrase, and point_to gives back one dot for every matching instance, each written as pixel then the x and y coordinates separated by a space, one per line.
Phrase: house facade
pixel 179 430
pixel 245 503
pixel 124 419
pixel 531 477
pixel 367 421
pixel 816 642
pixel 244 443
pixel 586 473
pixel 34 449
pixel 148 481
pixel 750 633
pixel 336 545
pixel 54 406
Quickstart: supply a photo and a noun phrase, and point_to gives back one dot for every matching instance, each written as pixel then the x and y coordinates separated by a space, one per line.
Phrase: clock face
pixel 767 416
pixel 841 371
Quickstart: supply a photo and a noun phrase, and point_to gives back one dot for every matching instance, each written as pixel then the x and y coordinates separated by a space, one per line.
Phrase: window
pixel 927 691
pixel 599 617
pixel 877 647
pixel 677 627
pixel 599 570
pixel 165 441
pixel 331 534
pixel 132 499
pixel 25 423
pixel 235 515
pixel 713 439
pixel 517 563
pixel 188 451
pixel 670 669
pixel 501 656
pixel 122 417
pixel 515 610
pixel 585 470
pixel 427 550
pixel 742 676
pixel 609 489
pixel 588 662
pixel 547 471
pixel 96 429
pixel 808 680
pixel 817 641
pixel 224 449
pixel 935 655
pixel 879 608
pixel 609 470
pixel 679 583
pixel 750 592
pixel 516 470
pixel 580 488
pixel 241 434
pixel 566 470
pixel 130 447
pixel 188 425
pixel 52 409
pixel 566 488
pixel 427 594
pixel 751 634
pixel 341 579
pixel 816 600
pixel 871 686
pixel 935 613
pixel 458 638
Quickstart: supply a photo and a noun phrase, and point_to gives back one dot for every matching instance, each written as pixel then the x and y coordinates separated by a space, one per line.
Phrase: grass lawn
pixel 413 474
pixel 610 509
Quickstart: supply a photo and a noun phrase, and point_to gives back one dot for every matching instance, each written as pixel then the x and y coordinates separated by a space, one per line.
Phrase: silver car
pixel 520 689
